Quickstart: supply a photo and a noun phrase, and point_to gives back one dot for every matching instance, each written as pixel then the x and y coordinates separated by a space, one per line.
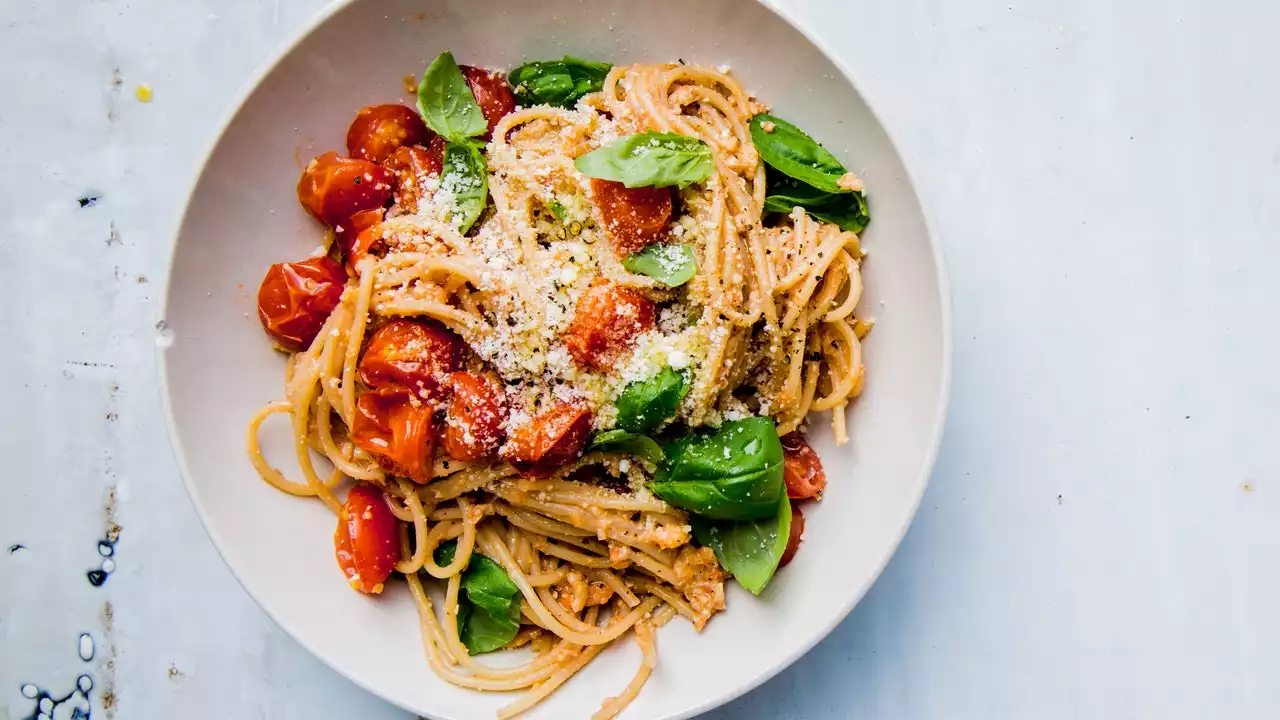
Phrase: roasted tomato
pixel 553 438
pixel 606 321
pixel 793 539
pixel 334 188
pixel 473 426
pixel 412 164
pixel 416 354
pixel 396 427
pixel 801 468
pixel 634 217
pixel 492 93
pixel 296 298
pixel 348 233
pixel 379 129
pixel 366 539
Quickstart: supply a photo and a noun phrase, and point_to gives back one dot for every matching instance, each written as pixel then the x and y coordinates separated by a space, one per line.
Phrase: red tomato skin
pixel 348 238
pixel 635 218
pixel 411 164
pixel 365 541
pixel 550 440
pixel 333 188
pixel 296 298
pixel 393 425
pixel 378 130
pixel 415 354
pixel 492 94
pixel 477 412
pixel 801 468
pixel 605 322
pixel 793 539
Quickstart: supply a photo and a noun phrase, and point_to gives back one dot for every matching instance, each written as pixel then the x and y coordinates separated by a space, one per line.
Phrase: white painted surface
pixel 1102 536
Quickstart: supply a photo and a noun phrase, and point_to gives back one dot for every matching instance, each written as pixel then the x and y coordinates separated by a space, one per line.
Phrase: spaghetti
pixel 456 372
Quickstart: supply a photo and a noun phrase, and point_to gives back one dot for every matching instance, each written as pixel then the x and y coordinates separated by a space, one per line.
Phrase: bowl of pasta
pixel 555 360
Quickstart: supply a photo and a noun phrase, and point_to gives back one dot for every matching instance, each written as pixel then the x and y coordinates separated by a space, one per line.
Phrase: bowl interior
pixel 219 368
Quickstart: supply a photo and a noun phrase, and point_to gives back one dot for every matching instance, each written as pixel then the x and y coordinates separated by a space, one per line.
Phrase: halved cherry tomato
pixel 296 298
pixel 412 164
pixel 492 93
pixel 801 468
pixel 349 236
pixel 551 439
pixel 334 188
pixel 473 425
pixel 365 541
pixel 793 539
pixel 379 129
pixel 396 427
pixel 634 217
pixel 416 354
pixel 606 321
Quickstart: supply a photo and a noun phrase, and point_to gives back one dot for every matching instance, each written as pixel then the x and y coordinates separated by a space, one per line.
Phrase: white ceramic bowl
pixel 218 368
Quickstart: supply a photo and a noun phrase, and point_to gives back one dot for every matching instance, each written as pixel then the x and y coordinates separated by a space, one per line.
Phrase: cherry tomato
pixel 551 439
pixel 793 539
pixel 296 298
pixel 379 129
pixel 365 541
pixel 411 164
pixel 492 93
pixel 334 188
pixel 606 321
pixel 473 427
pixel 348 236
pixel 416 354
pixel 801 468
pixel 634 217
pixel 396 427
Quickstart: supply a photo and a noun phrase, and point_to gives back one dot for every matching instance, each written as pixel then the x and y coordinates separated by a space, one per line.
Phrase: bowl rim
pixel 939 414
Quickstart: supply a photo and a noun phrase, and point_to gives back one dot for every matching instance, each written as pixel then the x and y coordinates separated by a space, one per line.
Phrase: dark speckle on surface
pixel 88 200
pixel 97 577
pixel 16 547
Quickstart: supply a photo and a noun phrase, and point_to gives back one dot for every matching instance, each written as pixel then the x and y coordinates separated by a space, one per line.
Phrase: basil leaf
pixel 848 210
pixel 645 404
pixel 489 604
pixel 671 264
pixel 446 102
pixel 790 151
pixel 734 473
pixel 558 209
pixel 641 446
pixel 466 178
pixel 557 82
pixel 750 551
pixel 649 159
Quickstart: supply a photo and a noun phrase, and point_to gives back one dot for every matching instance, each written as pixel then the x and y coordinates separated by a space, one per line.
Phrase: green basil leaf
pixel 642 447
pixel 466 178
pixel 557 208
pixel 489 604
pixel 734 473
pixel 650 159
pixel 790 151
pixel 750 551
pixel 847 210
pixel 557 82
pixel 446 103
pixel 645 404
pixel 671 264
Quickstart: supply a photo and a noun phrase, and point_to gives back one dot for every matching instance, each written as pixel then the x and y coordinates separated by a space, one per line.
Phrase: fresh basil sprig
pixel 446 102
pixel 649 159
pixel 466 177
pixel 750 551
pixel 671 264
pixel 557 82
pixel 489 614
pixel 734 473
pixel 635 444
pixel 848 210
pixel 645 404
